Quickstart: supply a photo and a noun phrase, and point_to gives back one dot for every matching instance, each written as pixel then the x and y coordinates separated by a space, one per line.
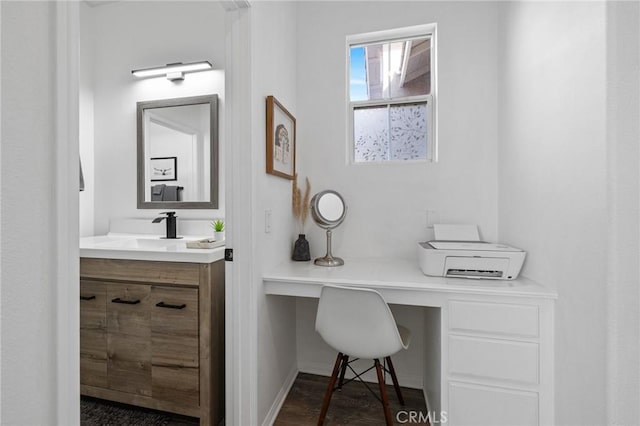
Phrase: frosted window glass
pixel 390 132
pixel 408 136
pixel 371 134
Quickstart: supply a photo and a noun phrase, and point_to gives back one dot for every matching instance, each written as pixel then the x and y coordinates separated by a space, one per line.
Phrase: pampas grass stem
pixel 300 203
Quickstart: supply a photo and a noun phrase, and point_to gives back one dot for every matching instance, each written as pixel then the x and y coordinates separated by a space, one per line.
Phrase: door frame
pixel 241 387
pixel 67 199
pixel 240 316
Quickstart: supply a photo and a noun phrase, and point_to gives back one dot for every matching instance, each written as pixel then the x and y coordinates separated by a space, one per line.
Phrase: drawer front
pixel 174 326
pixel 93 305
pixel 484 405
pixel 494 359
pixel 143 271
pixel 128 309
pixel 498 318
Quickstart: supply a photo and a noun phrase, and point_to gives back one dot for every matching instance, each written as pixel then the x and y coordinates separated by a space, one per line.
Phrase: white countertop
pixel 305 279
pixel 148 247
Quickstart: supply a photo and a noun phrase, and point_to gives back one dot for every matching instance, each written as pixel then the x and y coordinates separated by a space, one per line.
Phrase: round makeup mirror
pixel 328 211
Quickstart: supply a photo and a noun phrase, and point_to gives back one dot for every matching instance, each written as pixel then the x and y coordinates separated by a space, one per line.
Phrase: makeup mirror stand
pixel 328 210
pixel 328 259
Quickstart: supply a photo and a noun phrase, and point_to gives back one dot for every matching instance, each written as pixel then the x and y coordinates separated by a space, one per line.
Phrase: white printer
pixel 458 252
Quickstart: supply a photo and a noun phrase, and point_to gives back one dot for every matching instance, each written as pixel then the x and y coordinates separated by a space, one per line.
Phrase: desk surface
pixel 305 279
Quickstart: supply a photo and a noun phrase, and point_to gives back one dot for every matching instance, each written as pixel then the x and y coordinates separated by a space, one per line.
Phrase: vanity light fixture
pixel 173 71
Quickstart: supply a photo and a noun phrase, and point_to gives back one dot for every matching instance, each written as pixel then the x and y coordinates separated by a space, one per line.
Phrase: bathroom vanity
pixel 152 325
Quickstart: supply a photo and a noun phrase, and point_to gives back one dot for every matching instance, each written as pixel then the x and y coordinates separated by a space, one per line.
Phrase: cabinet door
pixel 174 345
pixel 129 338
pixel 93 336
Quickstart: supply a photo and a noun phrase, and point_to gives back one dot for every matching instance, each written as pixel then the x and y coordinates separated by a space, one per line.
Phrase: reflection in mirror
pixel 177 153
pixel 328 211
pixel 330 207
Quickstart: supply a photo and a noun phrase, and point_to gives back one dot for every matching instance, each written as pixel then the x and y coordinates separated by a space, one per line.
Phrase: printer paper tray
pixel 475 267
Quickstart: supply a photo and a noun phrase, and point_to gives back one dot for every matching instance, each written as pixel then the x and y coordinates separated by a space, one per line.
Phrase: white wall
pixel 387 203
pixel 131 35
pixel 623 178
pixel 28 239
pixel 553 181
pixel 274 68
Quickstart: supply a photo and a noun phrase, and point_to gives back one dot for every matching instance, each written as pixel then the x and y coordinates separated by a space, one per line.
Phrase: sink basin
pixel 144 243
pixel 148 247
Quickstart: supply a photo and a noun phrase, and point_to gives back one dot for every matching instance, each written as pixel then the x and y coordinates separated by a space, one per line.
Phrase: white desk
pixel 490 361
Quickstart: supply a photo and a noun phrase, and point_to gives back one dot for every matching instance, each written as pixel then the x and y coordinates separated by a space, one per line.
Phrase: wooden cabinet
pixel 152 334
pixel 93 333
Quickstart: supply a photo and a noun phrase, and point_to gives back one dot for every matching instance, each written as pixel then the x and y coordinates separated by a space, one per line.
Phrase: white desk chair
pixel 357 322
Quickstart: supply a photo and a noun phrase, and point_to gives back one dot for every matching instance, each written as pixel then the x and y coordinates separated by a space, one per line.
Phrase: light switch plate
pixel 267 221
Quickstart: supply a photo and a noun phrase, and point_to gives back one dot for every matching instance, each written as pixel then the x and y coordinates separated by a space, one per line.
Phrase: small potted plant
pixel 218 229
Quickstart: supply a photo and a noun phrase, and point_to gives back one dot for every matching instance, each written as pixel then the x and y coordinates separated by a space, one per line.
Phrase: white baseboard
pixel 426 400
pixel 407 381
pixel 271 416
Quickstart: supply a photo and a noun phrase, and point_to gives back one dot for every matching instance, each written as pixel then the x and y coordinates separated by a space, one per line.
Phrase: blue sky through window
pixel 358 75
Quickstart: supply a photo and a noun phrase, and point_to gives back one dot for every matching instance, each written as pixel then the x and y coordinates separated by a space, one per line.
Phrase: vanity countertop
pixel 148 247
pixel 305 279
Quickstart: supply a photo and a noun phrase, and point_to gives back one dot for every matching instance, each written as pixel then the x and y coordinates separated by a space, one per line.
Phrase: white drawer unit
pixel 499 362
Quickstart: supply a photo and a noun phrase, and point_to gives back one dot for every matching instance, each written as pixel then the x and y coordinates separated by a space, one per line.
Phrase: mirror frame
pixel 318 218
pixel 214 176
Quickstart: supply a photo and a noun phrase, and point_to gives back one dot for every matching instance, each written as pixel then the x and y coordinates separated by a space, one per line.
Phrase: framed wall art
pixel 281 140
pixel 164 169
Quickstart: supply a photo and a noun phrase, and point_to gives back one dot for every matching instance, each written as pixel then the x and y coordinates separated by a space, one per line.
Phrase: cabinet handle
pixel 126 302
pixel 87 297
pixel 166 305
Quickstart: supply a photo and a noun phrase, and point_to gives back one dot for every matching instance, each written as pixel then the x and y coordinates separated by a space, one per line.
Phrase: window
pixel 392 88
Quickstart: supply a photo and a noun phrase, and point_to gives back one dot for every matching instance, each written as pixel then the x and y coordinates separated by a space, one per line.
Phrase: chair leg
pixel 396 385
pixel 345 362
pixel 383 394
pixel 327 395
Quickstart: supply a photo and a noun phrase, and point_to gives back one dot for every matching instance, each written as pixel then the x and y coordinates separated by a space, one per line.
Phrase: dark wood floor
pixel 354 405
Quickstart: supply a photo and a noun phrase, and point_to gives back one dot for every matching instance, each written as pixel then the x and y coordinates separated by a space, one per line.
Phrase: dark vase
pixel 301 249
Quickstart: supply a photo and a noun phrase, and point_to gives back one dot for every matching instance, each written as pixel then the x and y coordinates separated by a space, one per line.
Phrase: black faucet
pixel 171 223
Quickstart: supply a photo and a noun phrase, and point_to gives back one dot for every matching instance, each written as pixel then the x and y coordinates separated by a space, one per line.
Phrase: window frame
pixel 387 36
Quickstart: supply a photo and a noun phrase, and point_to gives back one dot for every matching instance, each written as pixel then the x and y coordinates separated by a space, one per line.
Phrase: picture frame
pixel 163 169
pixel 281 140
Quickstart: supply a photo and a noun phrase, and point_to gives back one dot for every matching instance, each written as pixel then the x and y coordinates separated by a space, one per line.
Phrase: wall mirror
pixel 178 153
pixel 328 210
